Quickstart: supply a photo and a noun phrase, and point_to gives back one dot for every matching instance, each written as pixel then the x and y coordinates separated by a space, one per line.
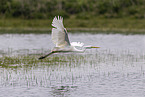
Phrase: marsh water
pixel 114 70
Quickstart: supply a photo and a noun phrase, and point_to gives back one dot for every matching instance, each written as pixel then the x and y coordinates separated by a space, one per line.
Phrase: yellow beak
pixel 94 47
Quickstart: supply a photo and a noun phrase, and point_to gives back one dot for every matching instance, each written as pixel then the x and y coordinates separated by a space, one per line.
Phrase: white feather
pixel 58 34
pixel 58 23
pixel 78 44
pixel 58 37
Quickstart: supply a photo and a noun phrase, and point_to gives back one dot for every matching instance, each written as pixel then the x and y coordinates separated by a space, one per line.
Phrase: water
pixel 114 70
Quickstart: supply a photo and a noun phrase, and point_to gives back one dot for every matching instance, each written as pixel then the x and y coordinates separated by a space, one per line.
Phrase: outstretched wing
pixel 59 33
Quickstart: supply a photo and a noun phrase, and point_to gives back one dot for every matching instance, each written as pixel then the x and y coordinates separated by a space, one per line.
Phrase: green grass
pixel 24 61
pixel 104 56
pixel 32 60
pixel 95 25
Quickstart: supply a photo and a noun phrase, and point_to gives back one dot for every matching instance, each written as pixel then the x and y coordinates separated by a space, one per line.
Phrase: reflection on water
pixel 63 90
pixel 116 69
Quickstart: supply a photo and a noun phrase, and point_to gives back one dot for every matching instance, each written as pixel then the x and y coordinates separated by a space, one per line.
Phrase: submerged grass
pixel 21 61
pixel 105 57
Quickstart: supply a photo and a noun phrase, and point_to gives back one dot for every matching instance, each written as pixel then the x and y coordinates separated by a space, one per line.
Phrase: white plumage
pixel 61 40
pixel 58 33
pixel 58 23
pixel 77 44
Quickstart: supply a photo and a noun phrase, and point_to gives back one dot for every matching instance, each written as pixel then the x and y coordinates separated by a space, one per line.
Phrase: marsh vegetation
pixel 107 16
pixel 116 69
pixel 116 66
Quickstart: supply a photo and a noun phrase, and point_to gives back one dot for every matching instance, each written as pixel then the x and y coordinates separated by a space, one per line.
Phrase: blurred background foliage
pixel 80 9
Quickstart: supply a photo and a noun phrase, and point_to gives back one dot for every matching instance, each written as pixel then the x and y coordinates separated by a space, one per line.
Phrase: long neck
pixel 86 47
pixel 82 50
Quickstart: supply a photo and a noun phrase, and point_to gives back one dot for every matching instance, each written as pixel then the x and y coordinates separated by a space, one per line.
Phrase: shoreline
pixel 8 30
pixel 93 25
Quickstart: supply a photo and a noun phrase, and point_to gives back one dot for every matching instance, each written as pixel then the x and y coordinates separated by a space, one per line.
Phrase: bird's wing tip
pixel 58 22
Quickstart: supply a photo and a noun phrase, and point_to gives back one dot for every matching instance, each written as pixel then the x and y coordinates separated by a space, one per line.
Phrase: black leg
pixel 42 57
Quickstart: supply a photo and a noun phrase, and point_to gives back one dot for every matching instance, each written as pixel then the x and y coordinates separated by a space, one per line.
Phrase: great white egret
pixel 61 40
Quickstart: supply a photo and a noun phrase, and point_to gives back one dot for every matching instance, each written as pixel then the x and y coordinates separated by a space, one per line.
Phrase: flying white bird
pixel 61 40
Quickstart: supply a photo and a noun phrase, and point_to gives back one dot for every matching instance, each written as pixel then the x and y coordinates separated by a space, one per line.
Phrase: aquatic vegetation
pixel 105 57
pixel 117 69
pixel 32 60
pixel 68 72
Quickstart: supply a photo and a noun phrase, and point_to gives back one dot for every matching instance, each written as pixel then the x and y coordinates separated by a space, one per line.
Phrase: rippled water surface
pixel 114 70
